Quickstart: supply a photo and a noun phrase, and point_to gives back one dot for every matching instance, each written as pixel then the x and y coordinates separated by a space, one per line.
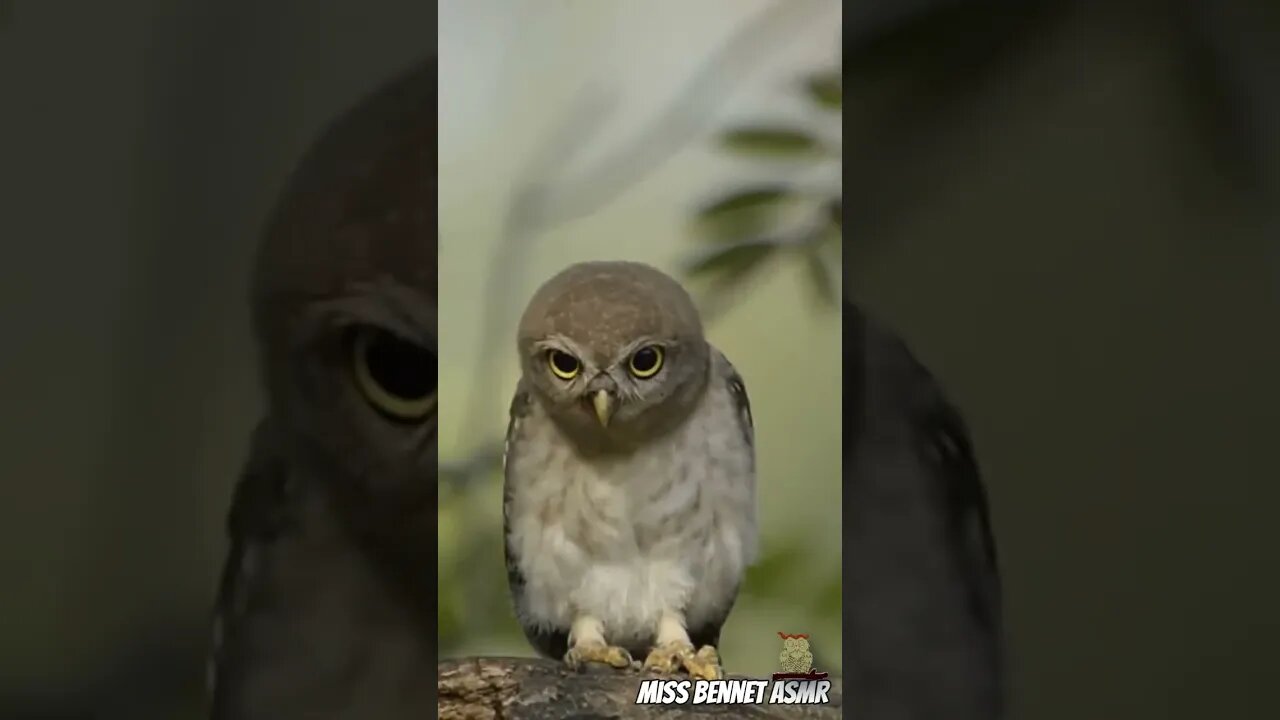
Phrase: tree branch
pixel 535 689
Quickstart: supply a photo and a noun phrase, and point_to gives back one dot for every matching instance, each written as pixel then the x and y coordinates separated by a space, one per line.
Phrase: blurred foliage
pixel 739 232
pixel 748 226
pixel 743 231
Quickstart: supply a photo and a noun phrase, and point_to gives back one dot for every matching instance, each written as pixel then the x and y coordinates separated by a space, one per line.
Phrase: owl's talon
pixel 666 659
pixel 583 653
pixel 701 665
pixel 705 664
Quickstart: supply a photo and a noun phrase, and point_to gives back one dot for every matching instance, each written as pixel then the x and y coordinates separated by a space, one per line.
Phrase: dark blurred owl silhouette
pixel 324 607
pixel 923 614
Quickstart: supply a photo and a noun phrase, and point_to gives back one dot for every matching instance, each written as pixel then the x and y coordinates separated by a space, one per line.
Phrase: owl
pixel 796 657
pixel 629 493
pixel 324 609
pixel 927 629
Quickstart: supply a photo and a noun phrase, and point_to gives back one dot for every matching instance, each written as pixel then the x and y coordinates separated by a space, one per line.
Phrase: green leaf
pixel 732 262
pixel 743 213
pixel 750 198
pixel 824 89
pixel 835 210
pixel 821 277
pixel 770 141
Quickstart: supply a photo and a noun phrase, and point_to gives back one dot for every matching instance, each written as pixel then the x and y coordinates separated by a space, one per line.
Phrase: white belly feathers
pixel 671 527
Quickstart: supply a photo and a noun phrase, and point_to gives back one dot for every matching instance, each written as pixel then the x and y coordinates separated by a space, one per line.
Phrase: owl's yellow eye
pixel 397 377
pixel 646 362
pixel 564 365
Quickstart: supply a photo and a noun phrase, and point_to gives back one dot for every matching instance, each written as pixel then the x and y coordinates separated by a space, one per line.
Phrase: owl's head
pixel 614 351
pixel 344 296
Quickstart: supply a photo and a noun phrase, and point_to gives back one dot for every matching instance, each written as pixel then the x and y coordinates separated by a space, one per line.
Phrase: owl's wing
pixel 708 633
pixel 552 643
pixel 520 406
pixel 927 623
pixel 973 542
pixel 259 515
pixel 738 391
pixel 309 623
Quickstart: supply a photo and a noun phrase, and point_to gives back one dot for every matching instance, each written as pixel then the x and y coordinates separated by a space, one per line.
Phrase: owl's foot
pixel 705 664
pixel 580 655
pixel 701 665
pixel 666 658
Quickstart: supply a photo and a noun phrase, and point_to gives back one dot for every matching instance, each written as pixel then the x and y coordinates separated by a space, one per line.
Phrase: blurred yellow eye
pixel 646 362
pixel 397 377
pixel 564 365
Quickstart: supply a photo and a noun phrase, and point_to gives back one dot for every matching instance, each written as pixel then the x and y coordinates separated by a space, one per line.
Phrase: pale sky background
pixel 510 73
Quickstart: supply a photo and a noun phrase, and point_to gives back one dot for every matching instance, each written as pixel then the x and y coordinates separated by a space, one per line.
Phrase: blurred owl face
pixel 345 298
pixel 613 351
pixel 360 383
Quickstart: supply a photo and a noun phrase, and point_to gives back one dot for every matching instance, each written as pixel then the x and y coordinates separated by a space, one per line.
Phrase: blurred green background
pixel 640 145
pixel 1068 209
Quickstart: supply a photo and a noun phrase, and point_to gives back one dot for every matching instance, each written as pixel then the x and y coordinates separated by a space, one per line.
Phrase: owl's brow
pixel 564 344
pixel 388 305
pixel 631 347
pixel 412 309
pixel 556 342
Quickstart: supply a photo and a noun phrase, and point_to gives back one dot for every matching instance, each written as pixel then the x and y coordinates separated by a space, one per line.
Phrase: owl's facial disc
pixel 604 388
pixel 616 391
pixel 643 364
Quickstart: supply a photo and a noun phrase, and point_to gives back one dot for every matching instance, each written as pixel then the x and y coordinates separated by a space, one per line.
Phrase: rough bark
pixel 537 689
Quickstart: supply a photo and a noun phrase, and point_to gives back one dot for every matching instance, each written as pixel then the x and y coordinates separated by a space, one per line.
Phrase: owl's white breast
pixel 670 527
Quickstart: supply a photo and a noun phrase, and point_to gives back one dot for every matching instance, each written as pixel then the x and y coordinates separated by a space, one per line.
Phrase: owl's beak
pixel 603 403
